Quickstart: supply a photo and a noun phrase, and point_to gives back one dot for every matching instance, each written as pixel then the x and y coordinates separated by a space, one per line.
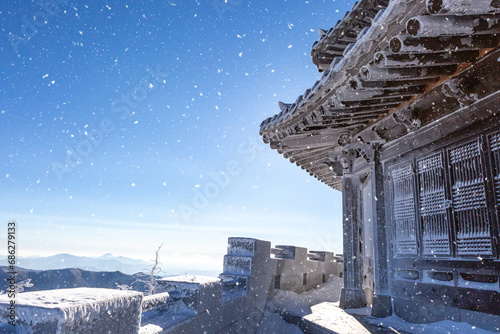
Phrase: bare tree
pixel 19 286
pixel 23 284
pixel 155 270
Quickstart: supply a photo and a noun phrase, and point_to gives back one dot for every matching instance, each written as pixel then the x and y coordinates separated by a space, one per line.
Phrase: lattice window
pixel 495 154
pixel 404 210
pixel 435 229
pixel 472 223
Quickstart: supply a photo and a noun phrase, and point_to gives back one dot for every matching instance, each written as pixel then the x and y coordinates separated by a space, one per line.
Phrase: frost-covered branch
pixel 155 270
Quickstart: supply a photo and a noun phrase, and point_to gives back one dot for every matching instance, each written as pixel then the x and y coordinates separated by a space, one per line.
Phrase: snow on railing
pixel 160 301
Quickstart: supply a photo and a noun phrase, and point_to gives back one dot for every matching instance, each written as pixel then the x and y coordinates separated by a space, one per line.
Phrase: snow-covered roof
pixel 381 58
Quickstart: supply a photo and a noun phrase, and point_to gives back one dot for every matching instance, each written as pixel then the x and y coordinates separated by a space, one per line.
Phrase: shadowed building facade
pixel 404 121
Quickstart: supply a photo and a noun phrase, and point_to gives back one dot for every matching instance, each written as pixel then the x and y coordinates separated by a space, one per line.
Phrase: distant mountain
pixel 123 259
pixel 73 278
pixel 106 262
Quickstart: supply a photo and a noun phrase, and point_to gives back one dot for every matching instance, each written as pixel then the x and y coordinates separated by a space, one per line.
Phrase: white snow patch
pixel 155 321
pixel 151 329
pixel 300 304
pixel 447 326
pixel 321 307
pixel 337 320
pixel 273 323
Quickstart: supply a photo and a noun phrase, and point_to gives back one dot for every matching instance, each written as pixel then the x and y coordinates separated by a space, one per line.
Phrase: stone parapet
pixel 232 303
pixel 77 311
pixel 199 293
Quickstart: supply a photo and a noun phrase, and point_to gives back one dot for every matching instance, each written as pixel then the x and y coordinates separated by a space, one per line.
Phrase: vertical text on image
pixel 11 259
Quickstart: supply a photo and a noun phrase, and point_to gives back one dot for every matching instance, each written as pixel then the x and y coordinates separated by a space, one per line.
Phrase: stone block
pixel 77 311
pixel 237 265
pixel 241 246
pixel 199 293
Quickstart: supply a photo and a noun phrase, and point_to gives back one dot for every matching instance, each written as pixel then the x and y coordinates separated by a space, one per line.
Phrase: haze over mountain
pixel 106 262
pixel 74 278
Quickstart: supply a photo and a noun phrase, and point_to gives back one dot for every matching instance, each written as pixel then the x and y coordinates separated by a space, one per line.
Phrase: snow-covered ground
pixel 445 327
pixel 273 323
pixel 321 307
pixel 298 304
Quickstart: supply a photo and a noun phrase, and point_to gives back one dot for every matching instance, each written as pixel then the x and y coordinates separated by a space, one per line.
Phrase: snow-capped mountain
pixel 106 262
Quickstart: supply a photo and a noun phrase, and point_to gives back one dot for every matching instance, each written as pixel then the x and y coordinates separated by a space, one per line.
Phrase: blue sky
pixel 127 124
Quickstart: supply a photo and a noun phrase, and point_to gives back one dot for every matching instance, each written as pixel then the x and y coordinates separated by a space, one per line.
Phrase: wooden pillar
pixel 352 295
pixel 382 306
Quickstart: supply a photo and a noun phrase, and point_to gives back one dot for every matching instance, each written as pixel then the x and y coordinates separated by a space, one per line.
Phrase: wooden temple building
pixel 405 122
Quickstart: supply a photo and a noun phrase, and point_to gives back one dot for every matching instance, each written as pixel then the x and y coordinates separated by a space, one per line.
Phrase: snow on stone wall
pixel 197 292
pixel 241 246
pixel 237 265
pixel 159 301
pixel 188 300
pixel 81 310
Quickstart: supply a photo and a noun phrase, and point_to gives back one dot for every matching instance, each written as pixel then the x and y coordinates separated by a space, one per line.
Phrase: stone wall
pixel 252 274
pixel 80 310
pixel 232 303
pixel 300 270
